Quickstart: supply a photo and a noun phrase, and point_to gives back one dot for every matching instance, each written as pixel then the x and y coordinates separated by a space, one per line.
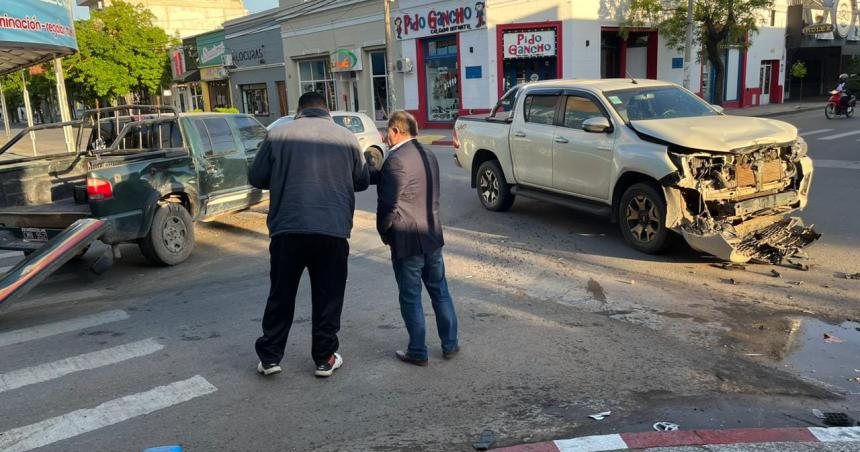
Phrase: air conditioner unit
pixel 227 61
pixel 403 65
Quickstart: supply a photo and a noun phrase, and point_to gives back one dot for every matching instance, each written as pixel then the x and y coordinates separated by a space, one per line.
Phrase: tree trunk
pixel 719 71
pixel 801 91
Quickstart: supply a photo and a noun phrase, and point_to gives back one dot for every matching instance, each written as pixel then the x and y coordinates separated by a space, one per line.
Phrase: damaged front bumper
pixel 738 206
pixel 781 239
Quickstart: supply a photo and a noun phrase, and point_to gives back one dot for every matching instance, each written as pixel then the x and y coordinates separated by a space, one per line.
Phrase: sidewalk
pixel 766 111
pixel 760 439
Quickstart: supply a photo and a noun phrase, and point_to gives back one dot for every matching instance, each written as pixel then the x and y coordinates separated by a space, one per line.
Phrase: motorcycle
pixel 834 105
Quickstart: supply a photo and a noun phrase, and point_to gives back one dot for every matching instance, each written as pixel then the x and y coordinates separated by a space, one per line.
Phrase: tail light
pixel 456 140
pixel 99 189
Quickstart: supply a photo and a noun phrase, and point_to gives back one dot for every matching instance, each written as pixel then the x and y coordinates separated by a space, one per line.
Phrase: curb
pixel 442 143
pixel 779 113
pixel 647 440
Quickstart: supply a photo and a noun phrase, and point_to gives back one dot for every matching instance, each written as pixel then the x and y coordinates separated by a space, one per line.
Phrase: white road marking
pixel 50 371
pixel 836 434
pixel 109 413
pixel 815 132
pixel 6 269
pixel 840 135
pixel 86 294
pixel 7 254
pixel 65 326
pixel 591 443
pixel 838 164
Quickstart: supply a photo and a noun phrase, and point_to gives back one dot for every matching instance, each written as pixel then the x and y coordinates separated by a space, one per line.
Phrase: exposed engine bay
pixel 735 205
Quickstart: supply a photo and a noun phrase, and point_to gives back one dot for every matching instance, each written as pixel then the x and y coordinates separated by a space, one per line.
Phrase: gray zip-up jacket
pixel 312 168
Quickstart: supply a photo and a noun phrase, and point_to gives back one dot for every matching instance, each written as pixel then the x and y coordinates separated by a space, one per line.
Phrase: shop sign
pixel 212 73
pixel 346 60
pixel 37 23
pixel 210 49
pixel 843 15
pixel 818 29
pixel 240 56
pixel 439 18
pixel 177 62
pixel 529 44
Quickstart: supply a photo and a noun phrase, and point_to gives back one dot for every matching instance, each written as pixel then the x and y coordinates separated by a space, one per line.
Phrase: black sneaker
pixel 406 358
pixel 268 369
pixel 327 369
pixel 451 353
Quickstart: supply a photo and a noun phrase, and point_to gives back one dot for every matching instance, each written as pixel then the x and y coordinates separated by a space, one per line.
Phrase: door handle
pixel 604 148
pixel 520 134
pixel 562 140
pixel 362 139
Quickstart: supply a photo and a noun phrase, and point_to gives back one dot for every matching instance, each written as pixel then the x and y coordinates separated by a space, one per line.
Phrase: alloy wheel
pixel 489 184
pixel 643 218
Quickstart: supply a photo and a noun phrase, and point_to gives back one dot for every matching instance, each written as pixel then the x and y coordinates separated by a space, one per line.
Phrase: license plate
pixel 34 234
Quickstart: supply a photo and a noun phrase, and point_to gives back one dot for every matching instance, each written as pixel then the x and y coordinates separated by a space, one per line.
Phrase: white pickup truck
pixel 649 155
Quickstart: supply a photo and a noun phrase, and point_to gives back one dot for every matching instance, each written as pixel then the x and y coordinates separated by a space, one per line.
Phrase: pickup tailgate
pixel 49 258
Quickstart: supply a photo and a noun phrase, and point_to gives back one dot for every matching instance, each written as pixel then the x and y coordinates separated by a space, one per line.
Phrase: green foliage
pixel 227 110
pixel 717 25
pixel 798 70
pixel 120 52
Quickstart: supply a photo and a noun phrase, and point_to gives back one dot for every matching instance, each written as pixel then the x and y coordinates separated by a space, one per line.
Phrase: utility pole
pixel 389 59
pixel 688 48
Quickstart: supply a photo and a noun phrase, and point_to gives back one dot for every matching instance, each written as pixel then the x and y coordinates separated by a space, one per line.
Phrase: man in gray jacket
pixel 312 168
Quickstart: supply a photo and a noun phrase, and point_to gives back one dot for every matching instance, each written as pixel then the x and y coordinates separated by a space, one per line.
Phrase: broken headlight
pixel 799 148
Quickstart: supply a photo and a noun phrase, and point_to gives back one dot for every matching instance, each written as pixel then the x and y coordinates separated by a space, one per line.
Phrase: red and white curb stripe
pixel 647 440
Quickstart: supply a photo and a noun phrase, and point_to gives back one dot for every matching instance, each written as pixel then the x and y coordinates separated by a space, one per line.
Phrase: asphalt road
pixel 558 318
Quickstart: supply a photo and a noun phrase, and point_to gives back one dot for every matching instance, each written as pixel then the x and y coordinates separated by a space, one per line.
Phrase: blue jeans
pixel 410 272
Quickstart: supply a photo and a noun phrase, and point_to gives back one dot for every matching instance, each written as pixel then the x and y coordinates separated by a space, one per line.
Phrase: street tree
pixel 718 24
pixel 798 71
pixel 120 52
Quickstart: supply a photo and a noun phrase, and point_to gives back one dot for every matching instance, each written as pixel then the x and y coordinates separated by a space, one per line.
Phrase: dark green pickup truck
pixel 147 172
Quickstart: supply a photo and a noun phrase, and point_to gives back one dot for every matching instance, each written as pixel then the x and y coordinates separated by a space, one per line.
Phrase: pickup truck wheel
pixel 171 236
pixel 374 157
pixel 493 190
pixel 642 215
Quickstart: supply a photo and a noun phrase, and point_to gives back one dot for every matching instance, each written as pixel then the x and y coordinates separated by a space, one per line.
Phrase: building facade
pixel 184 17
pixel 337 49
pixel 186 91
pixel 825 36
pixel 254 59
pixel 458 57
pixel 211 51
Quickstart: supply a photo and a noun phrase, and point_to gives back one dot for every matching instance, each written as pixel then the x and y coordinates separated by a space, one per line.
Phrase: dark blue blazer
pixel 407 215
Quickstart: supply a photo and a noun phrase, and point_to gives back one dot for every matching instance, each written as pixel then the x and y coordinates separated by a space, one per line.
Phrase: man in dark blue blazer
pixel 407 219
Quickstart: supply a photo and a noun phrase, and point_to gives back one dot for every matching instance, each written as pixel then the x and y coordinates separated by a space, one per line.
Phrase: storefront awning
pixel 34 31
pixel 16 58
pixel 191 76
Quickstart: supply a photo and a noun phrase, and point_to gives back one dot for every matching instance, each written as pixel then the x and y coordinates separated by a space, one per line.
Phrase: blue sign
pixel 677 63
pixel 473 72
pixel 37 23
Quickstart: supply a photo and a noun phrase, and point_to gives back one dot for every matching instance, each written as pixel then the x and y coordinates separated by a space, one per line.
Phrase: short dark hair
pixel 404 122
pixel 312 99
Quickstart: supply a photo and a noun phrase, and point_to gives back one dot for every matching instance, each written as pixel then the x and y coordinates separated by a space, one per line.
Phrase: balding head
pixel 402 126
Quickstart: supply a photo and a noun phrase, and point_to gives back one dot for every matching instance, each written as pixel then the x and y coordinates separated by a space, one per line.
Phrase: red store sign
pixel 529 44
pixel 439 18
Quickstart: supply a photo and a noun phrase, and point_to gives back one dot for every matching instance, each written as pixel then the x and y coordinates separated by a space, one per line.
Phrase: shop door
pixel 219 94
pixel 524 70
pixel 764 83
pixel 442 83
pixel 282 97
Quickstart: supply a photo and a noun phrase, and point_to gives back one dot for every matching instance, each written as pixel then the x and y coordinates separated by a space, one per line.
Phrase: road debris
pixel 817 413
pixel 797 265
pixel 729 266
pixel 795 283
pixel 753 354
pixel 729 281
pixel 839 420
pixel 775 273
pixel 486 441
pixel 831 339
pixel 666 427
pixel 600 416
pixel 596 290
pixel 850 275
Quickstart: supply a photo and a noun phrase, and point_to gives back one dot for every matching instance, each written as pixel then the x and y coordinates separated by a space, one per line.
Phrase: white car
pixel 369 137
pixel 651 156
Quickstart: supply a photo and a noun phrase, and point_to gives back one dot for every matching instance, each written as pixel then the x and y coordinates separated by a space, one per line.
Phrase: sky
pixel 251 5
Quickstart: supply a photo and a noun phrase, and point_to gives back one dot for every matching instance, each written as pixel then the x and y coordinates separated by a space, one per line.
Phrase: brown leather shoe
pixel 403 356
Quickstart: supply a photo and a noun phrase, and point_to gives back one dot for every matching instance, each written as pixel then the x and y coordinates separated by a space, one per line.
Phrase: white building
pixel 458 57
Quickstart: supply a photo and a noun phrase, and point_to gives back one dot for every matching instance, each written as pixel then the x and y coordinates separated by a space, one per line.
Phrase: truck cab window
pixel 250 132
pixel 505 106
pixel 540 109
pixel 577 109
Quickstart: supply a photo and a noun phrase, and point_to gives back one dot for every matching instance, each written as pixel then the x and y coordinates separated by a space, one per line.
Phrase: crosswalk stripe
pixel 109 413
pixel 815 132
pixel 65 326
pixel 50 371
pixel 7 254
pixel 838 164
pixel 840 135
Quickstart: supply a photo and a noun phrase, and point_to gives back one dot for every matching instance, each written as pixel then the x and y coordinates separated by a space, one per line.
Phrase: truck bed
pixel 58 214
